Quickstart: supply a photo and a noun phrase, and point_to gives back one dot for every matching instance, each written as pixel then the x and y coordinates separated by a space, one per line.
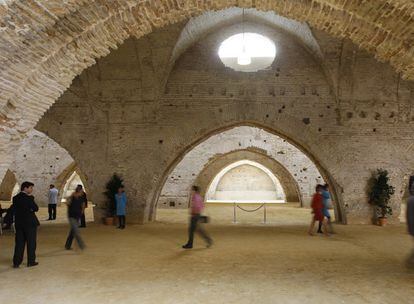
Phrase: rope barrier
pixel 250 210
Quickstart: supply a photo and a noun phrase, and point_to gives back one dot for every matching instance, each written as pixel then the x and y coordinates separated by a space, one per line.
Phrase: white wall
pixel 245 182
pixel 40 160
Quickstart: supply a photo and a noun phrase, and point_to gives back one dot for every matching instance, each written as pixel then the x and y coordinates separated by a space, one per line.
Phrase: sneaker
pixel 209 243
pixel 187 246
pixel 15 266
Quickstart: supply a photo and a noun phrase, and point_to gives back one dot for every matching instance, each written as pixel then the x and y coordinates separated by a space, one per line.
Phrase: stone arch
pixel 200 27
pixel 224 180
pixel 120 20
pixel 167 115
pixel 217 164
pixel 203 25
pixel 326 175
pixel 276 31
pixel 56 41
pixel 7 185
pixel 40 160
pixel 66 174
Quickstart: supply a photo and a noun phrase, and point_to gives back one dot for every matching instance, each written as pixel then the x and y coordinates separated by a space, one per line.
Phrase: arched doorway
pixel 67 182
pixel 216 165
pixel 245 180
pixel 8 186
pixel 306 177
pixel 70 185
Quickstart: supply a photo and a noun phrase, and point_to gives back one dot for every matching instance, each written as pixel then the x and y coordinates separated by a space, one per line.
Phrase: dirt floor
pixel 249 263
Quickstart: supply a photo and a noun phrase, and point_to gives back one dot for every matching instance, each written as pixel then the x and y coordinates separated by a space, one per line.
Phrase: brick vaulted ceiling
pixel 44 44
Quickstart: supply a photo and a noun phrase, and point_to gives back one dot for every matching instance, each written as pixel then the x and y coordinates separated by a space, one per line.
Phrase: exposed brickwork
pixel 41 161
pixel 354 121
pixel 297 165
pixel 219 162
pixel 45 44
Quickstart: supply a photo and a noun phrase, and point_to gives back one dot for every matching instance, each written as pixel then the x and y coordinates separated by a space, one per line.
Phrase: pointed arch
pixel 7 186
pixel 334 188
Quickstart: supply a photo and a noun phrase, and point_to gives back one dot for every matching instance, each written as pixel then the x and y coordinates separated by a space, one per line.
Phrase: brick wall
pixel 351 116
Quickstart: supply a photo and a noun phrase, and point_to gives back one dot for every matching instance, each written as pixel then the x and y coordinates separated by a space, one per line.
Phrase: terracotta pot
pixel 382 221
pixel 108 221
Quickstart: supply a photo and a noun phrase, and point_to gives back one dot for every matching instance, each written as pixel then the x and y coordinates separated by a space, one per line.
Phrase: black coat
pixel 23 210
pixel 410 214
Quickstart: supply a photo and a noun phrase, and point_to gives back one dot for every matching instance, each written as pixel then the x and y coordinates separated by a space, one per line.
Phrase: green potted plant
pixel 380 195
pixel 112 187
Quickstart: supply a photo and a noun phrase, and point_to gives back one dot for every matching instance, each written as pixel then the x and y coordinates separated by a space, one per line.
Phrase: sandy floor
pixel 277 214
pixel 249 263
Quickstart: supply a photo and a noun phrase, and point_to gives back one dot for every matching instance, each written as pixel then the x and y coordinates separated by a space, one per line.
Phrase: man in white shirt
pixel 53 200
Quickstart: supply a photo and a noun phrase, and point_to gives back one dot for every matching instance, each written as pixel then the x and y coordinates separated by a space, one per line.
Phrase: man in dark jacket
pixel 410 222
pixel 23 210
pixel 79 188
pixel 76 208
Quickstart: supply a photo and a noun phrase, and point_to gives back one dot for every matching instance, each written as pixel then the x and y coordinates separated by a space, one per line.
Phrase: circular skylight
pixel 247 52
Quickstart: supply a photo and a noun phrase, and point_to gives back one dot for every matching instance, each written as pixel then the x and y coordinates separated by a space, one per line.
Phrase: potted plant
pixel 380 195
pixel 112 187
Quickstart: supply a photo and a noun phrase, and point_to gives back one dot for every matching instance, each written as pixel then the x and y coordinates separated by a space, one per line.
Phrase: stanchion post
pixel 234 213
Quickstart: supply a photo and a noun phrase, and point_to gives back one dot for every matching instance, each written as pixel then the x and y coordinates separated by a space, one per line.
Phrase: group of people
pixel 22 213
pixel 23 209
pixel 321 203
pixel 53 196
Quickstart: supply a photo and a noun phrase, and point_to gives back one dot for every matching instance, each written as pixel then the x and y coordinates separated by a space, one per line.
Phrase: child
pixel 317 207
pixel 326 202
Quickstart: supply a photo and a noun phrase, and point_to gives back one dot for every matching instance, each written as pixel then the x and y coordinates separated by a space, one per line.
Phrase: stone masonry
pixel 298 165
pixel 43 162
pixel 45 44
pixel 221 162
pixel 130 114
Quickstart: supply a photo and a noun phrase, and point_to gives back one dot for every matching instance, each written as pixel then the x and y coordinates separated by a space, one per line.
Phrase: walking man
pixel 23 210
pixel 76 207
pixel 53 200
pixel 197 206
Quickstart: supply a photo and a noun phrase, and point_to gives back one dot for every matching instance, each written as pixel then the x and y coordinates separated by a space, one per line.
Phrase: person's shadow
pixel 57 252
pixel 185 252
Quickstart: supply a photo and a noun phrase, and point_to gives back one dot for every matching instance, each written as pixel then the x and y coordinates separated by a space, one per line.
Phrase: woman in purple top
pixel 197 206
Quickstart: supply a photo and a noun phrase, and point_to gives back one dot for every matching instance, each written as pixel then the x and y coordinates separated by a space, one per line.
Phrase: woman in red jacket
pixel 317 211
